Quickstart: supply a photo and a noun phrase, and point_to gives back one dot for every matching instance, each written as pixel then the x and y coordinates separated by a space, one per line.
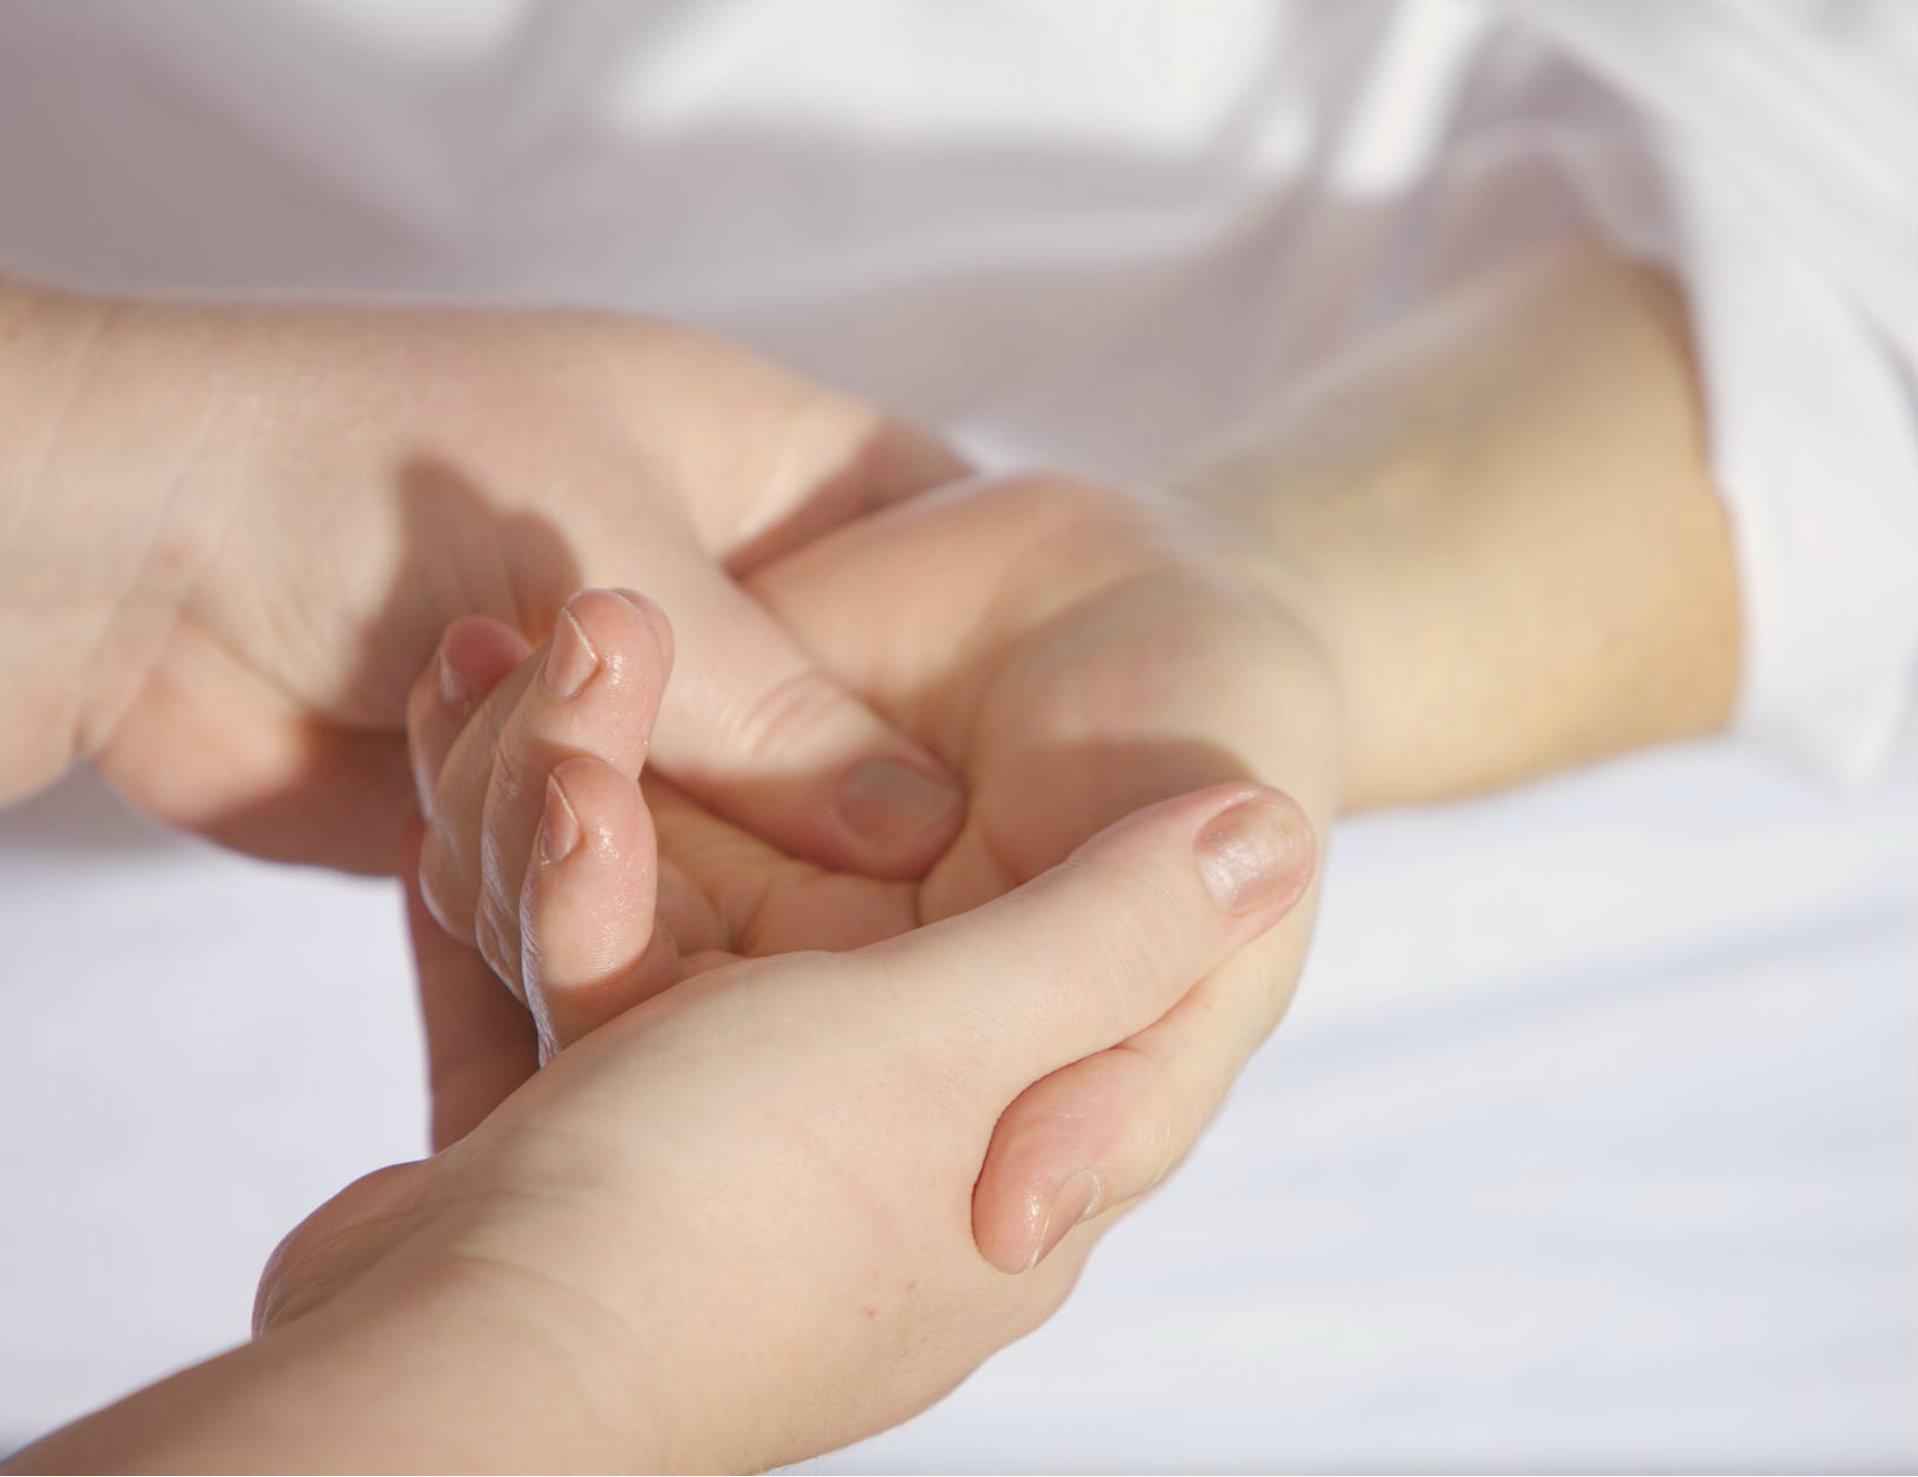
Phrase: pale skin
pixel 1482 548
pixel 231 536
pixel 731 1228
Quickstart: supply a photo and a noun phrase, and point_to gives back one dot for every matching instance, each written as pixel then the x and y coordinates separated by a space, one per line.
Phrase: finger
pixel 1098 1134
pixel 761 735
pixel 479 1043
pixel 474 654
pixel 591 943
pixel 596 694
pixel 1104 944
pixel 450 853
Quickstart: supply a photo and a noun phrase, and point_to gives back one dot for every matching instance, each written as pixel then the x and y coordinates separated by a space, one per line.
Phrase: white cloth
pixel 1616 1167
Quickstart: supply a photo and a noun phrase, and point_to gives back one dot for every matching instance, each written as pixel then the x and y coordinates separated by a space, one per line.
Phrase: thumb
pixel 757 732
pixel 1105 943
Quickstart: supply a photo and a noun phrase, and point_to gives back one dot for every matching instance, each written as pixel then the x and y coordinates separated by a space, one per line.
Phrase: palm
pixel 1100 668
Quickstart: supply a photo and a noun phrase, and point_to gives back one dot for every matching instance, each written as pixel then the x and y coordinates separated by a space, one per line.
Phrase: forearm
pixel 1499 522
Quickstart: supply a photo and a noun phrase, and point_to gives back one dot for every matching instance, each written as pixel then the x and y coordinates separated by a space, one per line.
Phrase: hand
pixel 732 1228
pixel 237 533
pixel 1072 652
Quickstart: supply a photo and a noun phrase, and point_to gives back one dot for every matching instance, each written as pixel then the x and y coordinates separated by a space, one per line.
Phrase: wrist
pixel 53 603
pixel 1499 521
pixel 415 1367
pixel 103 405
pixel 490 1300
pixel 1309 544
pixel 483 1361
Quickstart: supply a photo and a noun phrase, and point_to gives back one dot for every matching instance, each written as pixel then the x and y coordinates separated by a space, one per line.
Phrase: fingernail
pixel 652 614
pixel 456 691
pixel 1076 1198
pixel 1254 854
pixel 884 800
pixel 558 825
pixel 570 660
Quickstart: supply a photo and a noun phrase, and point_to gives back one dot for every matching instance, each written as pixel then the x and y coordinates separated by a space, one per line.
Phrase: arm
pixel 1499 524
pixel 428 1367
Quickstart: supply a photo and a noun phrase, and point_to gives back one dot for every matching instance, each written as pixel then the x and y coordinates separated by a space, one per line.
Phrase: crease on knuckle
pixel 771 720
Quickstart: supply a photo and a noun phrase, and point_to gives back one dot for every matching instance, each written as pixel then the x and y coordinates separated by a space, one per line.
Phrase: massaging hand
pixel 250 527
pixel 1071 652
pixel 792 1138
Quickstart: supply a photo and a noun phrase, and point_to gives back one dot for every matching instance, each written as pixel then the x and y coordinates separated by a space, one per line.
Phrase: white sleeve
pixel 1768 156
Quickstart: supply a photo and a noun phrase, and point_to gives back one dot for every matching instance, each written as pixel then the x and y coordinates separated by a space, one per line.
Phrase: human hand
pixel 733 1226
pixel 1073 653
pixel 240 532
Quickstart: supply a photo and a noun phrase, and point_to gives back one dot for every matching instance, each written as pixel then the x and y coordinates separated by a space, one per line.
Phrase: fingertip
pixel 618 636
pixel 1059 1139
pixel 656 620
pixel 474 654
pixel 1257 854
pixel 590 803
pixel 1254 848
pixel 559 827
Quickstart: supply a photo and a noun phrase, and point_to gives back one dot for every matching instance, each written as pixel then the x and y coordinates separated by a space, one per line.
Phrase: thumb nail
pixel 884 801
pixel 1255 855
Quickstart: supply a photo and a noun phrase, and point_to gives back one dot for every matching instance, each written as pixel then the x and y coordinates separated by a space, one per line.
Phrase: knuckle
pixel 783 714
pixel 518 769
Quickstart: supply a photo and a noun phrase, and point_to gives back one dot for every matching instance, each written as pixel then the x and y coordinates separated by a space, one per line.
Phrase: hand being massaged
pixel 1098 667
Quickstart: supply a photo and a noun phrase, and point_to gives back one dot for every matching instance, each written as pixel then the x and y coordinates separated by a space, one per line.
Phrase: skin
pixel 1349 604
pixel 1480 548
pixel 232 535
pixel 1084 676
pixel 731 1228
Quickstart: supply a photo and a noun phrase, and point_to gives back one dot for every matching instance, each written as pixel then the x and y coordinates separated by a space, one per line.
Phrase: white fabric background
pixel 1590 1141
